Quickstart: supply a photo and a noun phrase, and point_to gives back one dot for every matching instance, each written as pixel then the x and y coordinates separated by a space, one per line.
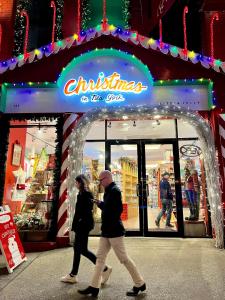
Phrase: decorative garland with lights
pixel 59 19
pixel 126 12
pixel 85 14
pixel 20 26
pixel 56 176
pixel 126 36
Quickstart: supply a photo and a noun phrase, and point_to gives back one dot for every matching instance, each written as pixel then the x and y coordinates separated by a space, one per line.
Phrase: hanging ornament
pixel 214 16
pixel 185 30
pixel 24 14
pixel 53 23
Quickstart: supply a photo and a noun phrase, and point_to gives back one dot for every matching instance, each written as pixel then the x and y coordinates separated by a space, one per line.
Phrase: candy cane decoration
pixel 185 29
pixel 70 121
pixel 0 36
pixel 104 22
pixel 215 16
pixel 78 17
pixel 54 18
pixel 24 14
pixel 160 33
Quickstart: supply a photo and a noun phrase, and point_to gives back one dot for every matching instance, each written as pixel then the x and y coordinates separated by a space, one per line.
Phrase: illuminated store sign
pixel 104 77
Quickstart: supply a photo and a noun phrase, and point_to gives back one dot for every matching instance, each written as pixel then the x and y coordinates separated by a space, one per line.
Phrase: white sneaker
pixel 69 279
pixel 106 274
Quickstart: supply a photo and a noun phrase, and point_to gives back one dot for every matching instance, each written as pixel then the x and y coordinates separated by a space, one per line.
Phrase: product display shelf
pixel 128 184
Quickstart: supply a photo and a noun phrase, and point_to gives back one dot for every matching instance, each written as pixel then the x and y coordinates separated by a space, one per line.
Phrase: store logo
pixel 112 83
pixel 190 150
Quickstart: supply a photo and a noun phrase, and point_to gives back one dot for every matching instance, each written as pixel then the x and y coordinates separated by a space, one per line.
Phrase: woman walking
pixel 83 223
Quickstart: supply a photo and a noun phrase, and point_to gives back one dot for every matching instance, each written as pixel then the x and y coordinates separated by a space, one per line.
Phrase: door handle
pixel 138 189
pixel 146 189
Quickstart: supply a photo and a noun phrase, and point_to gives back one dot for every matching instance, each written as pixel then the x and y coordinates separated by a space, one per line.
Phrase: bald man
pixel 112 236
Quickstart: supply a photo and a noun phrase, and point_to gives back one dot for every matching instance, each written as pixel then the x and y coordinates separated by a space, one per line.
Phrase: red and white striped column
pixel 70 121
pixel 221 154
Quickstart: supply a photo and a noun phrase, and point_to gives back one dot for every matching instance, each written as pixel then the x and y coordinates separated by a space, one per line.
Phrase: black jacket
pixel 83 217
pixel 112 208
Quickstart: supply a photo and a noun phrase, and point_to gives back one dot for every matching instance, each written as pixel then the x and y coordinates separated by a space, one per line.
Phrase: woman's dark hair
pixel 84 182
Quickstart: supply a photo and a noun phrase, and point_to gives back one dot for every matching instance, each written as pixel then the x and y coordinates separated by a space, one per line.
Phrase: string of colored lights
pixel 122 34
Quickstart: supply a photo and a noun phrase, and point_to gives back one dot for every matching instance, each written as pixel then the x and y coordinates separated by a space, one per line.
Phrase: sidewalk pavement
pixel 172 268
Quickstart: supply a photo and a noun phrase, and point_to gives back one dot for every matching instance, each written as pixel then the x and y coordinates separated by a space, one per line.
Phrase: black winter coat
pixel 112 208
pixel 83 217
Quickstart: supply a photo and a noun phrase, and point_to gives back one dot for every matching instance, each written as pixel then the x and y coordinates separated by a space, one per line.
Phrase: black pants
pixel 80 247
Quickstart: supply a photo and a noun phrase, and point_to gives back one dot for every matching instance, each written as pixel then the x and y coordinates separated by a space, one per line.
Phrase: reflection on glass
pixel 194 190
pixel 93 164
pixel 125 174
pixel 161 203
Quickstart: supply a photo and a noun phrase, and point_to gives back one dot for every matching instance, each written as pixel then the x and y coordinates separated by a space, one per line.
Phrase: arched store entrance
pixel 145 112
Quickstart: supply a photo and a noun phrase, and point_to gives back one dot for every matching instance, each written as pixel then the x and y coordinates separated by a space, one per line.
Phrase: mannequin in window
pixel 192 191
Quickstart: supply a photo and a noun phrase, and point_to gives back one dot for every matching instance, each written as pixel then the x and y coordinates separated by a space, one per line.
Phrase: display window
pixel 29 189
pixel 194 187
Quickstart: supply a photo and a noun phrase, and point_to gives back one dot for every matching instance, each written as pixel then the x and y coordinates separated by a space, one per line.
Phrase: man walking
pixel 166 197
pixel 112 236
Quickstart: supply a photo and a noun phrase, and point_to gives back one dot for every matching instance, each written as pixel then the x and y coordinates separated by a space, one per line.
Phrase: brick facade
pixel 7 20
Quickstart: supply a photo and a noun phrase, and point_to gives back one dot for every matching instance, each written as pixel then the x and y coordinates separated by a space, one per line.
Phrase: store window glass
pixel 194 189
pixel 29 176
pixel 186 130
pixel 97 131
pixel 93 164
pixel 141 129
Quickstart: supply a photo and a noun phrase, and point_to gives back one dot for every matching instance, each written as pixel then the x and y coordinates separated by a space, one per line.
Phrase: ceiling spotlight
pixel 134 124
pixel 109 124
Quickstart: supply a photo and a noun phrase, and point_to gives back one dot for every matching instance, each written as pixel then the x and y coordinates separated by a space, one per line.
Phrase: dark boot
pixel 135 290
pixel 89 291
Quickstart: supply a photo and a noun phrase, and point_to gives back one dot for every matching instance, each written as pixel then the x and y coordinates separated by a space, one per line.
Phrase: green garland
pixel 20 26
pixel 59 19
pixel 4 129
pixel 57 173
pixel 126 12
pixel 85 14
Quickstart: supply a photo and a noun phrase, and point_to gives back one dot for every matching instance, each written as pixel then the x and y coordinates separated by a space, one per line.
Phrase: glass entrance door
pixel 148 176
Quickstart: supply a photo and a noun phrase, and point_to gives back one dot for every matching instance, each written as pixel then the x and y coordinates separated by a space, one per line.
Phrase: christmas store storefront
pixel 75 111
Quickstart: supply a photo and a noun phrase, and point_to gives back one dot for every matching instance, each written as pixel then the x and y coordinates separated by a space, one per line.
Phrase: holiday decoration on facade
pixel 185 29
pixel 0 36
pixel 20 26
pixel 25 14
pixel 126 36
pixel 214 17
pixel 70 121
pixel 53 21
